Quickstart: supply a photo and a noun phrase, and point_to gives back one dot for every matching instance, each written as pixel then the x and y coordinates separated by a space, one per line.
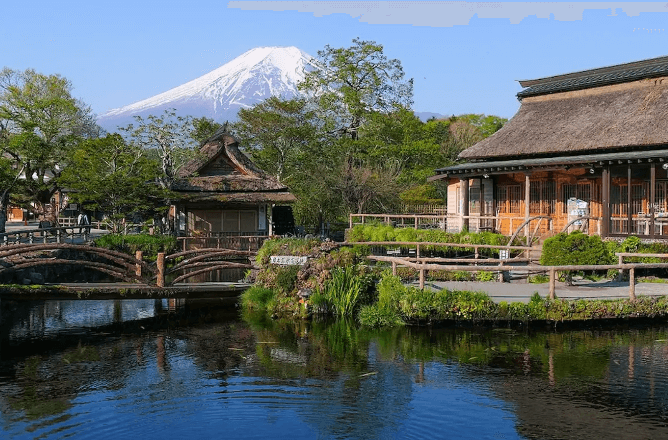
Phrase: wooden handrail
pixel 422 267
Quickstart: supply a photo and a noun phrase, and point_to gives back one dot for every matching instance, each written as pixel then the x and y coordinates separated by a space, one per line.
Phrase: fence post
pixel 417 251
pixel 422 276
pixel 394 268
pixel 138 256
pixel 350 221
pixel 160 263
pixel 621 271
pixel 58 235
pixel 5 240
pixel 416 222
pixel 632 284
pixel 553 282
pixel 31 238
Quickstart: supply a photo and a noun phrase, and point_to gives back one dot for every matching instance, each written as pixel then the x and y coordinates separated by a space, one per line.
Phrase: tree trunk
pixel 4 201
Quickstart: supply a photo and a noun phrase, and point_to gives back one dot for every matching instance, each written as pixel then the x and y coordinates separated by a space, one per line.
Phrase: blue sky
pixel 465 57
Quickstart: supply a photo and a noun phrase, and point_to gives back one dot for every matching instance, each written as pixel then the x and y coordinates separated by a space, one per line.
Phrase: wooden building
pixel 221 192
pixel 591 143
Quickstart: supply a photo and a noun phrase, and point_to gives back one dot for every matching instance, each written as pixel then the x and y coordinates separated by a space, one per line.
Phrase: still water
pixel 167 370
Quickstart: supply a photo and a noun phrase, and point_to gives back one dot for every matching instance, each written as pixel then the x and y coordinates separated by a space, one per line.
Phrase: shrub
pixel 150 245
pixel 286 278
pixel 256 298
pixel 575 248
pixel 485 275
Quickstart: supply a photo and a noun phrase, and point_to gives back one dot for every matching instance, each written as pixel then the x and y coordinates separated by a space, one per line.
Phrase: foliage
pixel 375 232
pixel 353 144
pixel 350 83
pixel 150 245
pixel 575 248
pixel 538 279
pixel 40 124
pixel 345 291
pixel 203 128
pixel 286 278
pixel 168 137
pixel 256 298
pixel 108 175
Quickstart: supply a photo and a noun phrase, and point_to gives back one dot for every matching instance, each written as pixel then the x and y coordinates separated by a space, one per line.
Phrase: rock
pixel 305 293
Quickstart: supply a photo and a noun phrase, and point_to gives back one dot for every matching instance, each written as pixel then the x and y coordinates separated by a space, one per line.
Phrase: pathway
pixel 522 291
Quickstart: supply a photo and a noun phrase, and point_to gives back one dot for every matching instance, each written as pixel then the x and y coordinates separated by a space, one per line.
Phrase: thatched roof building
pixel 569 139
pixel 222 192
pixel 223 173
pixel 619 107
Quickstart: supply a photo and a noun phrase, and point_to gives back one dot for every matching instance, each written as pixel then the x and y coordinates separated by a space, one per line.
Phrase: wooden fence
pixel 424 264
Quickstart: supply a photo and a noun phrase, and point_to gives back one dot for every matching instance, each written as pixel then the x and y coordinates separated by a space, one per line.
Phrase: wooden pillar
pixel 138 256
pixel 421 277
pixel 553 282
pixel 464 214
pixel 605 202
pixel 160 263
pixel 652 197
pixel 394 268
pixel 632 284
pixel 527 203
pixel 629 228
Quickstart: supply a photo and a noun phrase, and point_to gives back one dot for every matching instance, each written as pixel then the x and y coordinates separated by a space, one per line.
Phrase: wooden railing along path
pixel 478 264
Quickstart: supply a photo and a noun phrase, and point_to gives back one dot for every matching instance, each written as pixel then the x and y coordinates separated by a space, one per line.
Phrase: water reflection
pixel 200 371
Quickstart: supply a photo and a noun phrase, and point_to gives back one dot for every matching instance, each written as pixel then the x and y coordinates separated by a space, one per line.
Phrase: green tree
pixel 280 135
pixel 204 128
pixel 41 122
pixel 351 83
pixel 168 137
pixel 114 177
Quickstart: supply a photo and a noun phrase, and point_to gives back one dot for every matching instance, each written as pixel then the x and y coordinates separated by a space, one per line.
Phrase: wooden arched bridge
pixel 166 276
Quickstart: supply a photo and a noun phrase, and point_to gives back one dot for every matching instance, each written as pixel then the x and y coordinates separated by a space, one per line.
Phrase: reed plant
pixel 344 292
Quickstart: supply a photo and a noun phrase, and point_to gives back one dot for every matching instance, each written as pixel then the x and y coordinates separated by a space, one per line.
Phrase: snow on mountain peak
pixel 250 78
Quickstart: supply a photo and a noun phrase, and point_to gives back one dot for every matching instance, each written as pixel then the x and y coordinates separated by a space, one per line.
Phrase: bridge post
pixel 31 238
pixel 160 263
pixel 5 240
pixel 58 236
pixel 138 256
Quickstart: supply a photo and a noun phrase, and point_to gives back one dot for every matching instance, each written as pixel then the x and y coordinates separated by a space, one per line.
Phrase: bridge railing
pixel 62 234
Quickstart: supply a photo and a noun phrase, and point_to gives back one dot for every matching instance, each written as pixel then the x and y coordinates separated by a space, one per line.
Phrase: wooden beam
pixel 605 202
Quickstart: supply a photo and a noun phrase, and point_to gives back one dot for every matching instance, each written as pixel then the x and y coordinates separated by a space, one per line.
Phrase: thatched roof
pixel 221 172
pixel 608 118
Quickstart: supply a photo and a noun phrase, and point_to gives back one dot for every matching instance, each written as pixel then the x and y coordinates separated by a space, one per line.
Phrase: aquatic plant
pixel 344 292
pixel 256 298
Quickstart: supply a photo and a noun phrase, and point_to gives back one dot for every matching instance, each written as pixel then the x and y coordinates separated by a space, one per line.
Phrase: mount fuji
pixel 246 80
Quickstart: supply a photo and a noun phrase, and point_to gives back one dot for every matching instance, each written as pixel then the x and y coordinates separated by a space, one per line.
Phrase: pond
pixel 168 369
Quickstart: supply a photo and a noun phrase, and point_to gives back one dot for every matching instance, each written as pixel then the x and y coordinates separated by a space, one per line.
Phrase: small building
pixel 585 144
pixel 221 192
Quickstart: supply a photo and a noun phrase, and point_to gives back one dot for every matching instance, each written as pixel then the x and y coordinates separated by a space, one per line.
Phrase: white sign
pixel 288 260
pixel 504 254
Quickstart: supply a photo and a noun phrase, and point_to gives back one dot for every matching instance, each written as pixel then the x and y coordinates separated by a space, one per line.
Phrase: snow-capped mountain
pixel 250 78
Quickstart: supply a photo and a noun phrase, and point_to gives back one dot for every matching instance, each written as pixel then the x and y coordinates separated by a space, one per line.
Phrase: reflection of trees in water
pixel 336 375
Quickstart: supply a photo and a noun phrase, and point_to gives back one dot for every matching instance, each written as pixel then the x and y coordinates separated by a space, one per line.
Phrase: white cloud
pixel 448 13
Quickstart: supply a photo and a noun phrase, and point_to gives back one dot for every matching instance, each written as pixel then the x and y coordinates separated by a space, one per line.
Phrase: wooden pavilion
pixel 584 144
pixel 222 193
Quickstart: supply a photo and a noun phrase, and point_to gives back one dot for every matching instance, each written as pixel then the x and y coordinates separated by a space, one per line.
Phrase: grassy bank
pixel 336 281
